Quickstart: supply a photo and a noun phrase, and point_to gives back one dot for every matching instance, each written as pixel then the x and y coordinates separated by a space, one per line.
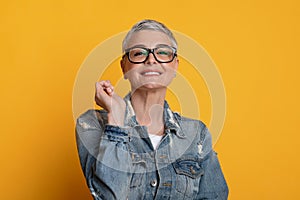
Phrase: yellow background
pixel 255 45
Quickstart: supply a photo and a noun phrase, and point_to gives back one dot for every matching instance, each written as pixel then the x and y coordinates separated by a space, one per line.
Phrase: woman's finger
pixel 107 87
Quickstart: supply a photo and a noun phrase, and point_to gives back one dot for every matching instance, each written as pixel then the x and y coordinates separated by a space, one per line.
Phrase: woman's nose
pixel 151 59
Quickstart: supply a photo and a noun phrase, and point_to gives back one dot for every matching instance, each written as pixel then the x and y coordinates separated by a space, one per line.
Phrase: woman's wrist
pixel 115 119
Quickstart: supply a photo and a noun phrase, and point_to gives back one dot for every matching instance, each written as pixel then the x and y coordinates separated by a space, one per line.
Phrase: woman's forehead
pixel 148 38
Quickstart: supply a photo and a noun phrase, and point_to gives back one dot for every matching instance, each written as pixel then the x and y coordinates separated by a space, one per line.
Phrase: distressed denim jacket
pixel 121 163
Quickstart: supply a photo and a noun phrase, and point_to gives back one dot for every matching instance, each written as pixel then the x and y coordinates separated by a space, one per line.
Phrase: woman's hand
pixel 111 102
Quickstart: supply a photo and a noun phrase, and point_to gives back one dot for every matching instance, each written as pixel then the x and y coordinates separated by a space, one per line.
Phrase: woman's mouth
pixel 151 73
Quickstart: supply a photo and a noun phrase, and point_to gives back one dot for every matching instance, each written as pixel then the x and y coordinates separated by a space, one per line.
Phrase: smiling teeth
pixel 151 73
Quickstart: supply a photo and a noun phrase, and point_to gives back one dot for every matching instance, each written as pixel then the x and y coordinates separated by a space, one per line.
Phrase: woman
pixel 136 147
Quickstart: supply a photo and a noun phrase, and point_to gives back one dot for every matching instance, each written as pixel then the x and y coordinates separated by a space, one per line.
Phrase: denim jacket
pixel 121 163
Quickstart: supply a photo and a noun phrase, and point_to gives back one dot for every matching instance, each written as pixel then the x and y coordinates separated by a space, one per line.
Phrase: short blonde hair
pixel 149 24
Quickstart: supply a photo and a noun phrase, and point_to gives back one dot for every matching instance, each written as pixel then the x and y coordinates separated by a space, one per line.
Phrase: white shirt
pixel 155 140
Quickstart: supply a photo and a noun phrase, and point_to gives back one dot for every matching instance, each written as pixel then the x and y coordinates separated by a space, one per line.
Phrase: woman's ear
pixel 176 63
pixel 122 64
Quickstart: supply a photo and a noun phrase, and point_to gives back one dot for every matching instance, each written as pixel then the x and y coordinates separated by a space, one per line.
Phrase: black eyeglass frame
pixel 150 51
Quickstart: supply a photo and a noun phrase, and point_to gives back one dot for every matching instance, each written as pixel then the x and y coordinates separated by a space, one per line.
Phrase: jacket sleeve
pixel 103 155
pixel 212 184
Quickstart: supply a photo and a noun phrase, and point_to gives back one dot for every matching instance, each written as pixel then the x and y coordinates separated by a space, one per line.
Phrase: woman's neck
pixel 149 108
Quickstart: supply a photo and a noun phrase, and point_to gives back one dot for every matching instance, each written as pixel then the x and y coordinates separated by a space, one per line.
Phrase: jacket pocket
pixel 188 175
pixel 138 175
pixel 139 169
pixel 136 180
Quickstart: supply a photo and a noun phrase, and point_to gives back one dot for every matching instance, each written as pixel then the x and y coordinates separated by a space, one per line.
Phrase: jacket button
pixel 153 183
pixel 192 170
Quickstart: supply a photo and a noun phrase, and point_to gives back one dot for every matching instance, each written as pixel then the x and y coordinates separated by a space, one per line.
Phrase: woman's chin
pixel 151 86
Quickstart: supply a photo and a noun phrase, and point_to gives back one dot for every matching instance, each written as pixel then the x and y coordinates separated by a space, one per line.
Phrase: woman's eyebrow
pixel 144 46
pixel 162 45
pixel 137 46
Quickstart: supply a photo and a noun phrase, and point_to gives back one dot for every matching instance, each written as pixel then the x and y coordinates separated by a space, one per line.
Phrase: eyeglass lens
pixel 162 54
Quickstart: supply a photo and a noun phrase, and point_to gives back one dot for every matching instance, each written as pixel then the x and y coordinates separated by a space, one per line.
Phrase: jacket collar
pixel 171 122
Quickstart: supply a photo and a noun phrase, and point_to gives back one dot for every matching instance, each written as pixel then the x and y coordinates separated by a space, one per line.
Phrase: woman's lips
pixel 151 73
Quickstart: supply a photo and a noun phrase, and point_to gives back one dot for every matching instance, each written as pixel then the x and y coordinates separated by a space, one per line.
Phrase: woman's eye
pixel 163 53
pixel 138 54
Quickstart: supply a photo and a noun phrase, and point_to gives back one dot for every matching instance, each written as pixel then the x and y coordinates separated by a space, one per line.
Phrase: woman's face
pixel 150 74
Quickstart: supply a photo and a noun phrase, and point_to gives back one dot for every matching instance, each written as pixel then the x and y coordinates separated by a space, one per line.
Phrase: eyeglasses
pixel 162 54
